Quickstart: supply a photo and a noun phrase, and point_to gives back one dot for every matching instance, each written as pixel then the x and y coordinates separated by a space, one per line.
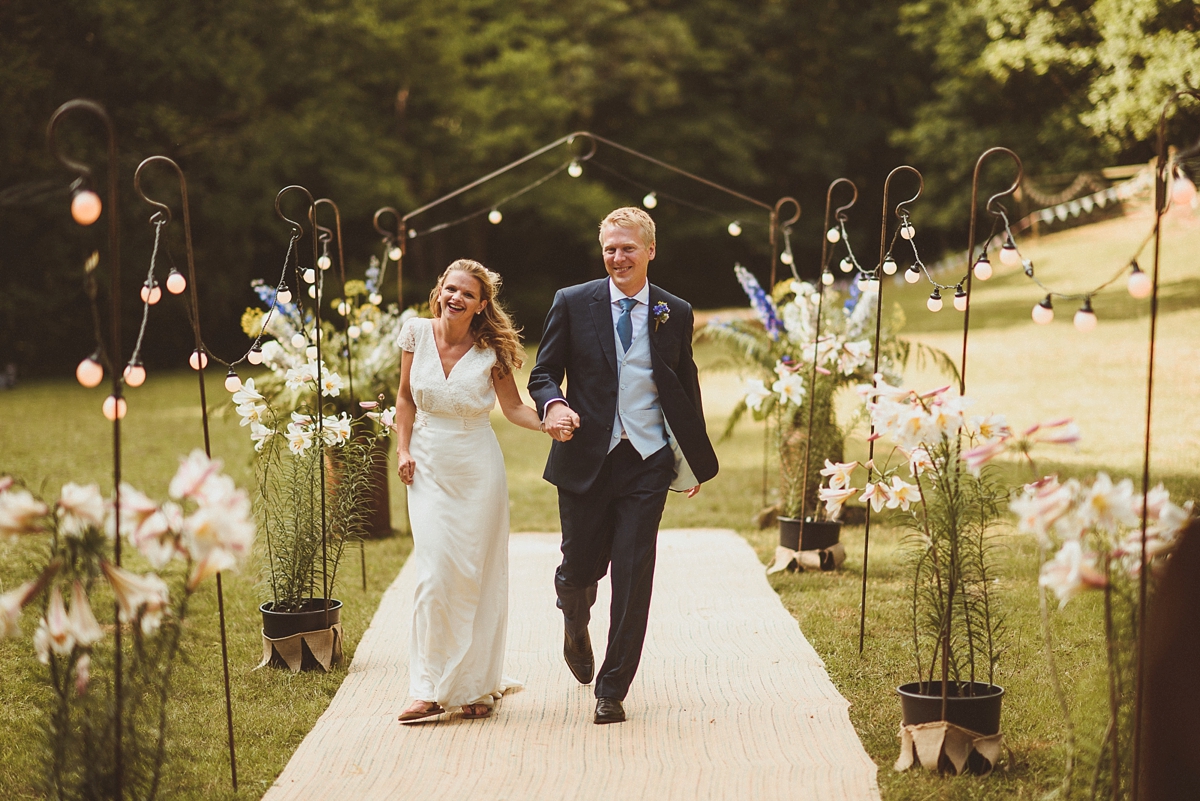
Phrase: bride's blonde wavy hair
pixel 492 327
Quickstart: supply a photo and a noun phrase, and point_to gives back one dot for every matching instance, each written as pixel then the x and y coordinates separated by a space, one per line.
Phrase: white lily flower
pixel 80 508
pixel 297 377
pixel 83 673
pixel 877 494
pixel 918 460
pixel 84 626
pixel 259 434
pixel 790 388
pixel 903 494
pixel 331 385
pixel 299 439
pixel 839 473
pixel 1070 573
pixel 756 393
pixel 19 512
pixel 336 430
pixel 11 604
pixel 301 419
pixel 388 418
pixel 251 413
pixel 54 632
pixel 853 355
pixel 990 428
pixel 834 498
pixel 193 473
pixel 145 596
pixel 1109 507
pixel 273 354
pixel 247 394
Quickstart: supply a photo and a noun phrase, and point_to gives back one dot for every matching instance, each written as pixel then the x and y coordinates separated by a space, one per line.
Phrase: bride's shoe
pixel 419 710
pixel 476 711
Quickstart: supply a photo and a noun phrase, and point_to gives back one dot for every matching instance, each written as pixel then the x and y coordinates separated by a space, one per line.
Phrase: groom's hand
pixel 693 491
pixel 560 422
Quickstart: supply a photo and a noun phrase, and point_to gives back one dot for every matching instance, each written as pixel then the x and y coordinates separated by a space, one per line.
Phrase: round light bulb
pixel 232 382
pixel 833 236
pixel 395 253
pixel 845 265
pixel 890 266
pixel 89 372
pixel 960 299
pixel 299 340
pixel 342 308
pixel 913 274
pixel 176 283
pixel 1043 312
pixel 255 355
pixel 368 326
pixel 310 276
pixel 935 301
pixel 650 200
pixel 324 262
pixel 311 351
pixel 284 295
pixel 907 231
pixel 827 278
pixel 734 228
pixel 1140 284
pixel 1085 318
pixel 135 375
pixel 574 169
pixel 983 267
pixel 1182 190
pixel 312 291
pixel 786 257
pixel 85 207
pixel 861 282
pixel 873 285
pixel 1009 255
pixel 375 298
pixel 198 360
pixel 494 216
pixel 354 332
pixel 115 408
pixel 151 294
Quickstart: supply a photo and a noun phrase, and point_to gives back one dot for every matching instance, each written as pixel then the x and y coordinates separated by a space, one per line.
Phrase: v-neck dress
pixel 458 509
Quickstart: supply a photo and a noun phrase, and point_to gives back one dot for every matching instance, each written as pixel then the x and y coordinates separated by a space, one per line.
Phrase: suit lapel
pixel 602 317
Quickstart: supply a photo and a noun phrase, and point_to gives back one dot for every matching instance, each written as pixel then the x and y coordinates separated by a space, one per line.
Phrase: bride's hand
pixel 406 467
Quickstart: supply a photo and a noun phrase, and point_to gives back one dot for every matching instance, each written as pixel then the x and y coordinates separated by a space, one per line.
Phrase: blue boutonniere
pixel 661 312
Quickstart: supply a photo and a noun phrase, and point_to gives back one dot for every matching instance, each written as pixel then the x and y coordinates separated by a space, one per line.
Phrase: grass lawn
pixel 1028 372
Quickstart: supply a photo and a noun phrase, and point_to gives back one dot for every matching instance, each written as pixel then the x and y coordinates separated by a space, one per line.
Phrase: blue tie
pixel 625 322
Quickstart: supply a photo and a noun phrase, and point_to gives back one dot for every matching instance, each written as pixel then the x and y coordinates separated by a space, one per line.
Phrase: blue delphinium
pixel 763 306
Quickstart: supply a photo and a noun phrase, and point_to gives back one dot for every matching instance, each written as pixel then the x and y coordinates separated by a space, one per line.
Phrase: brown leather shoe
pixel 609 710
pixel 578 654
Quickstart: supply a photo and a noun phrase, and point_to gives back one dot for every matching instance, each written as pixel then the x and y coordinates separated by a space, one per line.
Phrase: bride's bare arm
pixel 515 410
pixel 406 413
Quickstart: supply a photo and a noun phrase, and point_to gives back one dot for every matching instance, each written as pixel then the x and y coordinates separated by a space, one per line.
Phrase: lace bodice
pixel 466 392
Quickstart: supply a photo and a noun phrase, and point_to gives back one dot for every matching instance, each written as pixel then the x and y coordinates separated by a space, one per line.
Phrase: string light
pixel 1043 312
pixel 650 200
pixel 284 295
pixel 353 332
pixel 232 382
pixel 861 282
pixel 135 374
pixel 827 278
pixel 255 356
pixel 1140 285
pixel 786 257
pixel 310 276
pixel 1085 318
pixel 324 262
pixel 833 235
pixel 1183 191
pixel 890 266
pixel 299 340
pixel 574 169
pixel 375 298
pixel 368 326
pixel 311 351
pixel 934 303
pixel 845 265
pixel 176 283
pixel 312 291
pixel 734 228
pixel 960 298
pixel 494 216
pixel 151 293
pixel 198 360
pixel 394 253
pixel 85 207
pixel 1008 254
pixel 913 274
pixel 983 267
pixel 115 408
pixel 907 231
pixel 873 285
pixel 89 372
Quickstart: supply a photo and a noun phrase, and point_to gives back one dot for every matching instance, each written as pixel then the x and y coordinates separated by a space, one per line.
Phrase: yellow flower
pixel 252 321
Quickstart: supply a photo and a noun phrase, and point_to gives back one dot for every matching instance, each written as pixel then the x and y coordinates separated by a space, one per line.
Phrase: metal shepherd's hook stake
pixel 392 241
pixel 962 373
pixel 112 358
pixel 297 228
pixel 774 229
pixel 901 213
pixel 165 211
pixel 1162 173
pixel 840 215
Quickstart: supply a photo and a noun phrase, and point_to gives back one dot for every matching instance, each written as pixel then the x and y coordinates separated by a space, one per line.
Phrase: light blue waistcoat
pixel 639 414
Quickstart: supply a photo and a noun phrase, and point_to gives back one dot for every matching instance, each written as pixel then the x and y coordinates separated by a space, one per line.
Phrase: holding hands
pixel 406 466
pixel 560 421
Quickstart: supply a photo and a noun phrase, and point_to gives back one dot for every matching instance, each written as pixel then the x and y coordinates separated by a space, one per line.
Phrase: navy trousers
pixel 614 523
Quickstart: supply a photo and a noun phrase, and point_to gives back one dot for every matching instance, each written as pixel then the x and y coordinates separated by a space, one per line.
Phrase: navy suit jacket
pixel 578 345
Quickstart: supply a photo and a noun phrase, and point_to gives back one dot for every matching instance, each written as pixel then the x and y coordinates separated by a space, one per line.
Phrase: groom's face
pixel 626 257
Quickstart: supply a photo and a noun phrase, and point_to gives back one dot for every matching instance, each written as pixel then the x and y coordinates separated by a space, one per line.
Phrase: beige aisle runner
pixel 731 702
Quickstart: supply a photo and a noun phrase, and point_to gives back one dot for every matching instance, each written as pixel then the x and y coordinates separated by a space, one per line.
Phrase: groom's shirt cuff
pixel 550 403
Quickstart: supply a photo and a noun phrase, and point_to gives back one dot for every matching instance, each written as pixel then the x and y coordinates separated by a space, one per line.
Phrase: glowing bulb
pixel 907 231
pixel 198 360
pixel 650 200
pixel 1182 189
pixel 1085 318
pixel 135 375
pixel 574 169
pixel 310 276
pixel 890 266
pixel 786 257
pixel 395 253
pixel 232 382
pixel 1140 284
pixel 1043 313
pixel 89 372
pixel 151 294
pixel 861 282
pixel 176 283
pixel 827 278
pixel 354 332
pixel 845 265
pixel 1009 255
pixel 873 285
pixel 299 340
pixel 284 295
pixel 833 236
pixel 375 298
pixel 311 351
pixel 960 298
pixel 983 267
pixel 115 408
pixel 312 291
pixel 324 262
pixel 734 228
pixel 494 216
pixel 913 274
pixel 85 207
pixel 342 308
pixel 255 355
pixel 368 326
pixel 935 301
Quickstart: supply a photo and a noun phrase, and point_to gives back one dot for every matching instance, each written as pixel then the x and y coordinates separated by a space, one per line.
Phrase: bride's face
pixel 462 296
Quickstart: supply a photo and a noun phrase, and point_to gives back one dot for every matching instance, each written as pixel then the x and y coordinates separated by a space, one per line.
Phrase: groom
pixel 629 428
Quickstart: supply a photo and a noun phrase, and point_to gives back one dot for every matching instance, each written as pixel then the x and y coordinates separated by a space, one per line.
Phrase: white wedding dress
pixel 458 509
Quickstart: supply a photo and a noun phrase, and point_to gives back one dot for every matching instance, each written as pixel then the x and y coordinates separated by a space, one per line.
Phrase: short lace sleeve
pixel 408 335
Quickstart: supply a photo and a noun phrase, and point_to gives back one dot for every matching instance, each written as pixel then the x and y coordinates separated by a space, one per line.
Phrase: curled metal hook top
pixel 591 141
pixel 902 206
pixel 164 211
pixel 990 205
pixel 839 212
pixel 790 221
pixel 388 235
pixel 297 228
pixel 78 167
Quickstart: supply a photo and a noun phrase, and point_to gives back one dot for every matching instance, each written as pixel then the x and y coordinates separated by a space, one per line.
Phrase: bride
pixel 452 370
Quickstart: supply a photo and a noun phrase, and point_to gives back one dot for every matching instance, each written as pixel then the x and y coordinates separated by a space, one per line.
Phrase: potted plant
pixel 778 348
pixel 206 528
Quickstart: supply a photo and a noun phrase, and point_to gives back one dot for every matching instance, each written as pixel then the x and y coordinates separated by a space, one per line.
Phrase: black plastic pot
pixel 808 535
pixel 921 702
pixel 312 616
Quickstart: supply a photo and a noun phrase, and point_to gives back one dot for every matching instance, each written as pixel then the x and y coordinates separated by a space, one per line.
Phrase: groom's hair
pixel 630 217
